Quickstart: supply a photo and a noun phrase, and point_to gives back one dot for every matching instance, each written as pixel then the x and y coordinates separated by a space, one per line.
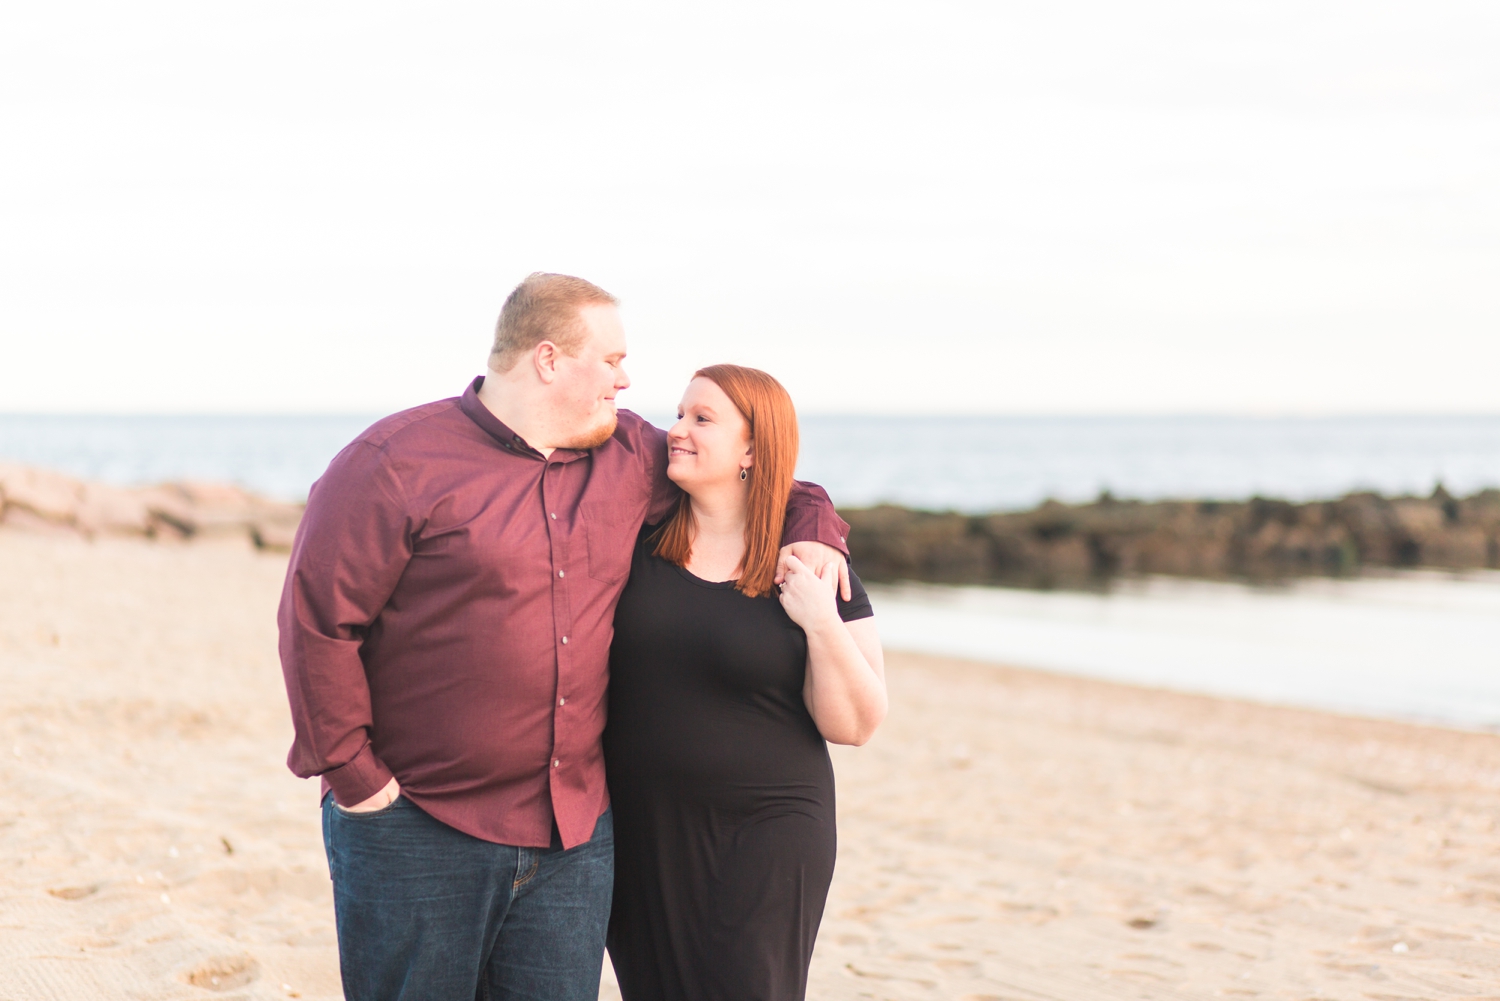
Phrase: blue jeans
pixel 427 912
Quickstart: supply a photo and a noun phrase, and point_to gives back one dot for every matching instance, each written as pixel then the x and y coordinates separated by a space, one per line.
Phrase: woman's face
pixel 710 443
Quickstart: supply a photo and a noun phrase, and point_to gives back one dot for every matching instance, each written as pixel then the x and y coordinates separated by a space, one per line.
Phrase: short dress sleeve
pixel 858 605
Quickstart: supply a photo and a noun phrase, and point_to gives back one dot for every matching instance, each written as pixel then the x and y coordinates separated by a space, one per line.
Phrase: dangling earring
pixel 744 474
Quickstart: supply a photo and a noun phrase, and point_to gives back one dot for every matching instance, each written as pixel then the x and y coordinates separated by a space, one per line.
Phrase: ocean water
pixel 1421 646
pixel 960 463
pixel 996 463
pixel 279 456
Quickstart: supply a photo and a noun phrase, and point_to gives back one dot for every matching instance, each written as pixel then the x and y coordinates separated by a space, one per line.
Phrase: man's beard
pixel 596 435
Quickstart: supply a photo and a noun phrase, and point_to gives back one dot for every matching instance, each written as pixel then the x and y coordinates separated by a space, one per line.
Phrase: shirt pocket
pixel 610 530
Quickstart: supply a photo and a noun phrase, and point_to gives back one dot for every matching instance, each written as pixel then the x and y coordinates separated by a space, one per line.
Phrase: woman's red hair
pixel 767 408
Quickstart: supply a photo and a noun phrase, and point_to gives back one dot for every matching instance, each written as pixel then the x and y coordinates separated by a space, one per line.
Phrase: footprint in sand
pixel 223 973
pixel 73 892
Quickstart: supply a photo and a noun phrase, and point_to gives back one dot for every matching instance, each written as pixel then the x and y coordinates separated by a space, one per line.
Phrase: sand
pixel 1008 835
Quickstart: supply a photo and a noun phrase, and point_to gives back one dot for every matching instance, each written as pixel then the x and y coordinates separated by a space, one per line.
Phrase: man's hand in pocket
pixel 379 801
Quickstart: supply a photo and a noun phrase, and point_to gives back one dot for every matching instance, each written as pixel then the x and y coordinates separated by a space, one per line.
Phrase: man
pixel 445 630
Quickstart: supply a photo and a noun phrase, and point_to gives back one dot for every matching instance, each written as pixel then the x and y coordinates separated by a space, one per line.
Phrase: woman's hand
pixel 816 555
pixel 808 597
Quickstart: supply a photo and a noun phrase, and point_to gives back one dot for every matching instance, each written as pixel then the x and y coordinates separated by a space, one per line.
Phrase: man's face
pixel 586 384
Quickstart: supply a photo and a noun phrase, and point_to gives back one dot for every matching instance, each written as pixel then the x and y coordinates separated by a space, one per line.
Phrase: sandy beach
pixel 1008 836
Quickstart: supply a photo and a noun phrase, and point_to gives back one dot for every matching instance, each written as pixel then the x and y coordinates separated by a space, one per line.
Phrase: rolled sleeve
pixel 810 517
pixel 361 777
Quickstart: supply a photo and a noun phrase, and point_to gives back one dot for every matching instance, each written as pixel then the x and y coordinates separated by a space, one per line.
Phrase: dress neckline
pixel 721 585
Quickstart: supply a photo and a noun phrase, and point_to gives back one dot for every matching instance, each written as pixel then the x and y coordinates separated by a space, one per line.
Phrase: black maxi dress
pixel 722 791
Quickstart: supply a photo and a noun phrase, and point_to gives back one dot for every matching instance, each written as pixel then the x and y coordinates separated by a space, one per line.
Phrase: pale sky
pixel 1084 207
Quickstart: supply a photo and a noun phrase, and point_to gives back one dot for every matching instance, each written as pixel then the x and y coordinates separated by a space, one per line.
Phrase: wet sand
pixel 1008 835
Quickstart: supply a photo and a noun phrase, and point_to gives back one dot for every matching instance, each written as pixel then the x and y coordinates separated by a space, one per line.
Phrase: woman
pixel 722 693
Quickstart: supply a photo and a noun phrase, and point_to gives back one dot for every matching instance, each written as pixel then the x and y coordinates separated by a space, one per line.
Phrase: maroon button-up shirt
pixel 448 611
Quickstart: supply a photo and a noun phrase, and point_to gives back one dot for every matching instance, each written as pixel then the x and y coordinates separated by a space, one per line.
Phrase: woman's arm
pixel 845 686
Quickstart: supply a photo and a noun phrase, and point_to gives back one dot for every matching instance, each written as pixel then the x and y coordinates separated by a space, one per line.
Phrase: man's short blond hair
pixel 544 307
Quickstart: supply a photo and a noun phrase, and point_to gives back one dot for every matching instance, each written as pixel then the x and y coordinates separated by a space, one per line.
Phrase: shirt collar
pixel 480 414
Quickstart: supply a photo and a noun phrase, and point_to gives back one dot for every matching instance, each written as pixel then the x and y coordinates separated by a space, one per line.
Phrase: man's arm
pixel 810 517
pixel 815 534
pixel 351 549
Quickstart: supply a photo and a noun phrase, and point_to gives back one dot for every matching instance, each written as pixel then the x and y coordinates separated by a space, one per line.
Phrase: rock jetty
pixel 1053 545
pixel 1082 545
pixel 41 500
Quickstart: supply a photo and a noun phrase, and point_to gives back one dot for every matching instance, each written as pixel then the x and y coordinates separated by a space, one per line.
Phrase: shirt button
pixel 559 573
pixel 556 762
pixel 565 640
pixel 562 702
pixel 554 515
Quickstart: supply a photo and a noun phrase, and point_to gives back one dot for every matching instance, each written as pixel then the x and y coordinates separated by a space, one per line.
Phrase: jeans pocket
pixel 365 814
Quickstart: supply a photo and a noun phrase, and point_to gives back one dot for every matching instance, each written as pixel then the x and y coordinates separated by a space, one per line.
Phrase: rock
pixel 217 508
pixel 109 510
pixel 1459 548
pixel 40 500
pixel 1259 539
pixel 48 495
pixel 20 519
pixel 1418 518
pixel 171 512
pixel 922 545
pixel 275 526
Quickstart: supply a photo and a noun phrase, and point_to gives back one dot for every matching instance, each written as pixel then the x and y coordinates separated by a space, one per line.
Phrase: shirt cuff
pixel 357 779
